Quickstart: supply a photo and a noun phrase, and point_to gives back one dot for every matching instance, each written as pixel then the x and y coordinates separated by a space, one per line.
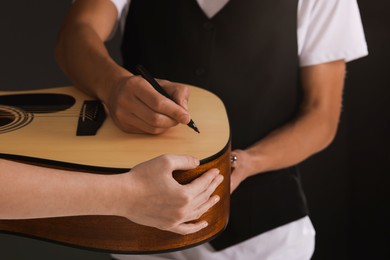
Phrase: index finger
pixel 189 228
pixel 202 183
pixel 179 92
pixel 161 104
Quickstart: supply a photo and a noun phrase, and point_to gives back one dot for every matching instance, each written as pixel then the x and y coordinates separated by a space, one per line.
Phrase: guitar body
pixel 45 135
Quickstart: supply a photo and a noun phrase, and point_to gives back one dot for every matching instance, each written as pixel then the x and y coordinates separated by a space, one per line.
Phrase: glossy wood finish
pixel 117 234
pixel 53 136
pixel 54 140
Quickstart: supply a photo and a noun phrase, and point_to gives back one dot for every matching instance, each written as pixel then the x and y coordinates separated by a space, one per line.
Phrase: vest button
pixel 200 71
pixel 208 26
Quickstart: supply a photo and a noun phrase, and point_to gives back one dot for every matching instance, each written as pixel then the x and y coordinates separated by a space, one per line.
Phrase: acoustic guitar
pixel 64 128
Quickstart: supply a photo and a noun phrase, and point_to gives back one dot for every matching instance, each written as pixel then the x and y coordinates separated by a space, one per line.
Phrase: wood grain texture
pixel 53 136
pixel 54 139
pixel 117 234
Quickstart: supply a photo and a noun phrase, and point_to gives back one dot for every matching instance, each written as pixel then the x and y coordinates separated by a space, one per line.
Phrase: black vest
pixel 247 55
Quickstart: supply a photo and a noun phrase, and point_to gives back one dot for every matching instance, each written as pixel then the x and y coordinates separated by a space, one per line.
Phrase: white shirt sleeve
pixel 329 30
pixel 120 5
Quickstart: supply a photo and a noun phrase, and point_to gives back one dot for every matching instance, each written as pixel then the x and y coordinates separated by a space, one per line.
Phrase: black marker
pixel 145 74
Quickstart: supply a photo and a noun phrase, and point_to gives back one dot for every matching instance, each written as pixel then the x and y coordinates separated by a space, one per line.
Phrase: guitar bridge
pixel 91 118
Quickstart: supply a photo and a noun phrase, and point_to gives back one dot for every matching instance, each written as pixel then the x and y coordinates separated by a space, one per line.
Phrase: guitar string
pixel 42 112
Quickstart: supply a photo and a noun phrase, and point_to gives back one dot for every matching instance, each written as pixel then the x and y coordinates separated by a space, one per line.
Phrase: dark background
pixel 346 185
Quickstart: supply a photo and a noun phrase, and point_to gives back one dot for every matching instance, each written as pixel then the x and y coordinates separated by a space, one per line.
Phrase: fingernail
pixel 196 162
pixel 185 104
pixel 215 171
pixel 184 118
pixel 216 199
pixel 205 224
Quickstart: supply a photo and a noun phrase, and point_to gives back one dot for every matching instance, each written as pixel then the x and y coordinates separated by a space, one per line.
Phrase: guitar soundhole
pixel 6 119
pixel 12 118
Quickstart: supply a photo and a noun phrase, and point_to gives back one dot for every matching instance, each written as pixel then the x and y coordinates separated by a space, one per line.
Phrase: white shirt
pixel 327 30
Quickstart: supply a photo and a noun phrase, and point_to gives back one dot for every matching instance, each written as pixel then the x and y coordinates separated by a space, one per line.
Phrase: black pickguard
pixel 39 103
pixel 17 110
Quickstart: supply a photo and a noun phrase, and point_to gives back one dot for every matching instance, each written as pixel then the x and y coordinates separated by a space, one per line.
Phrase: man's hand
pixel 136 107
pixel 158 200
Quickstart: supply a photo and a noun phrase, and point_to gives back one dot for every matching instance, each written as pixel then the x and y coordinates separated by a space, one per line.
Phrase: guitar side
pixel 113 233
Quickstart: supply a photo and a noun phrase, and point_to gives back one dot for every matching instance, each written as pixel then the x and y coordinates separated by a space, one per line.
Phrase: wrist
pixel 109 196
pixel 124 195
pixel 115 77
pixel 257 162
pixel 118 196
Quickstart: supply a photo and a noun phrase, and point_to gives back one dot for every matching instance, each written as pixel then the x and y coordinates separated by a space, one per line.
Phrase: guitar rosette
pixel 13 118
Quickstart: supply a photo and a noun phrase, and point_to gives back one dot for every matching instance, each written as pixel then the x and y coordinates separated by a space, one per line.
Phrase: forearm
pixel 314 127
pixel 133 104
pixel 80 49
pixel 292 143
pixel 149 195
pixel 34 192
pixel 86 61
